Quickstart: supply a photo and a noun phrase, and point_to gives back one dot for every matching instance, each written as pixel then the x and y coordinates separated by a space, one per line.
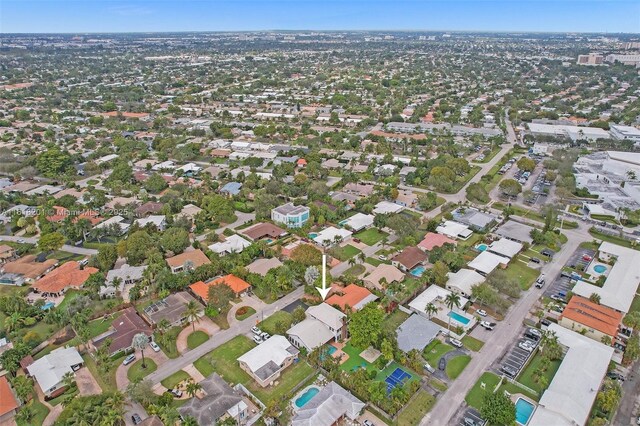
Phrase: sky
pixel 80 16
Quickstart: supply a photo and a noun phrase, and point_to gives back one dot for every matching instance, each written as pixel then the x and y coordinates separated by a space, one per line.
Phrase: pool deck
pixel 516 396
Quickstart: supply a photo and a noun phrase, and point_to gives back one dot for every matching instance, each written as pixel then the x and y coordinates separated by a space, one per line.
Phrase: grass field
pixel 250 311
pixel 420 405
pixel 371 236
pixel 270 324
pixel 520 271
pixel 355 360
pixel 472 343
pixel 40 413
pixel 393 320
pixel 635 305
pixel 196 338
pixel 612 239
pixel 456 365
pixel 172 381
pixel 476 394
pixel 526 377
pixel 344 253
pixel 136 372
pixel 434 351
pixel 355 270
pixel 169 348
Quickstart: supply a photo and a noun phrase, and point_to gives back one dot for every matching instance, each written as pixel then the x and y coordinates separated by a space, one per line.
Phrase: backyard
pixel 355 360
pixel 418 406
pixel 476 394
pixel 528 375
pixel 277 323
pixel 344 253
pixel 456 365
pixel 371 236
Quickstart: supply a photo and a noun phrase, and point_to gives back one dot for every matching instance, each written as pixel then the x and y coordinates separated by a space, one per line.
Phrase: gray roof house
pixel 332 404
pixel 219 402
pixel 416 332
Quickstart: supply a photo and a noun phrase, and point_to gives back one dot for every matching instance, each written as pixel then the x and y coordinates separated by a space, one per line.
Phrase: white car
pixel 21 241
pixel 481 312
pixel 257 339
pixel 154 346
pixel 525 346
pixel 128 360
pixel 488 325
pixel 265 335
pixel 255 330
pixel 455 342
pixel 382 257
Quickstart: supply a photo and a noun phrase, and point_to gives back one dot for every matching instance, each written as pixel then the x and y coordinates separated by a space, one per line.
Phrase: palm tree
pixel 163 326
pixel 192 313
pixel 13 321
pixel 192 388
pixel 352 261
pixel 431 309
pixel 140 342
pixel 452 299
pixel 595 298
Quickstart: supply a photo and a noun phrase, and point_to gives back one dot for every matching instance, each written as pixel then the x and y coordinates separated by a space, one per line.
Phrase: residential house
pixel 29 267
pixel 515 231
pixel 332 235
pixel 591 319
pixel 115 222
pixel 187 261
pixel 290 215
pixel 486 262
pixel 239 286
pixel 121 280
pixel 384 275
pixel 416 332
pixel 505 248
pixel 474 219
pixel 215 403
pixel 333 405
pixel 267 231
pixel 7 253
pixel 454 230
pixel 386 207
pixel 150 207
pixel 265 362
pixel 172 308
pixel 358 222
pixel 49 371
pixel 70 275
pixel 409 258
pixel 323 323
pixel 350 298
pixel 232 244
pixel 263 266
pixel 122 330
pixel 159 221
pixel 8 402
pixel 433 240
pixel 463 281
pixel 231 189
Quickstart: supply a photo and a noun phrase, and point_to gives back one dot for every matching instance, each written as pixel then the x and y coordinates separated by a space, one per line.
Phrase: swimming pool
pixel 481 247
pixel 601 269
pixel 524 410
pixel 460 318
pixel 418 271
pixel 312 235
pixel 303 399
pixel 47 306
pixel 330 350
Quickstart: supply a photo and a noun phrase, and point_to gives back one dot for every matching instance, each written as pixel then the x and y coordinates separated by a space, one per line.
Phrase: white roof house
pixel 327 236
pixel 49 371
pixel 263 266
pixel 431 294
pixel 323 323
pixel 387 207
pixel 158 220
pixel 486 262
pixel 454 230
pixel 582 370
pixel 190 168
pixel 329 315
pixel 621 284
pixel 118 221
pixel 328 406
pixel 233 244
pixel 266 359
pixel 44 189
pixel 168 165
pixel 358 222
pixel 462 281
pixel 505 247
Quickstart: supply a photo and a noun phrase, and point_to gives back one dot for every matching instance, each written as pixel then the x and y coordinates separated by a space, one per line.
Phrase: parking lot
pixel 471 414
pixel 516 357
pixel 562 284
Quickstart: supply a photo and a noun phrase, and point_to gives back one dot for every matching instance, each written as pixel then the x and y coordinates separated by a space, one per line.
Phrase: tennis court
pixel 397 378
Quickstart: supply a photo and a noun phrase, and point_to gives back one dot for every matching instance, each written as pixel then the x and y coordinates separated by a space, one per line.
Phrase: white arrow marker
pixel 324 291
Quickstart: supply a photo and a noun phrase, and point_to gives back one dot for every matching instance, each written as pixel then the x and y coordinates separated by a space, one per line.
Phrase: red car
pixel 586 257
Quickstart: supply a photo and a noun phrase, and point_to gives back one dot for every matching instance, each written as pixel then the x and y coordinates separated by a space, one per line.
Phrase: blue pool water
pixel 460 318
pixel 312 235
pixel 481 247
pixel 524 410
pixel 330 351
pixel 418 271
pixel 302 400
pixel 48 306
pixel 600 269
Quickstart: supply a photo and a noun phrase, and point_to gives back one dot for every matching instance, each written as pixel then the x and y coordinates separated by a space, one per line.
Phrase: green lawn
pixel 344 253
pixel 456 365
pixel 270 324
pixel 476 394
pixel 290 378
pixel 355 360
pixel 136 372
pixel 520 271
pixel 612 239
pixel 472 343
pixel 371 236
pixel 393 320
pixel 107 381
pixel 420 405
pixel 635 305
pixel 172 381
pixel 196 338
pixel 434 351
pixel 169 346
pixel 249 311
pixel 40 413
pixel 373 261
pixel 99 326
pixel 224 359
pixel 526 377
pixel 355 270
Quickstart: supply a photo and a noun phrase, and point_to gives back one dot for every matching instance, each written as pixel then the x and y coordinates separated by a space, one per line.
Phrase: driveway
pixel 87 384
pixel 121 373
pixel 251 301
pixel 205 325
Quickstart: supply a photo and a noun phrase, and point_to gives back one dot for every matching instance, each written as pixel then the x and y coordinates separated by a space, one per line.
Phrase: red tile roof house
pixel 122 330
pixel 409 258
pixel 433 240
pixel 238 285
pixel 189 260
pixel 8 402
pixel 68 276
pixel 350 298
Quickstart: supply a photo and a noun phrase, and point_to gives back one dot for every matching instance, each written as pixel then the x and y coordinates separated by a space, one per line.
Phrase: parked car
pixel 535 260
pixel 129 359
pixel 557 298
pixel 540 281
pixel 21 240
pixel 526 346
pixel 481 312
pixel 587 258
pixel 429 368
pixel 488 325
pixel 509 371
pixel 136 419
pixel 368 423
pixel 265 335
pixel 535 332
pixel 382 257
pixel 615 376
pixel 442 364
pixel 257 339
pixel 565 274
pixel 176 392
pixel 455 342
pixel 545 322
pixel 469 422
pixel 547 252
pixel 256 330
pixel 154 346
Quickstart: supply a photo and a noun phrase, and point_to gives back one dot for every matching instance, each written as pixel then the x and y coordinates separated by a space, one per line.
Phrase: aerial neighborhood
pixel 319 228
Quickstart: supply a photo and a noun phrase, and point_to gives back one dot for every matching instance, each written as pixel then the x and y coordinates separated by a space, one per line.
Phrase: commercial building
pixel 591 59
pixel 591 319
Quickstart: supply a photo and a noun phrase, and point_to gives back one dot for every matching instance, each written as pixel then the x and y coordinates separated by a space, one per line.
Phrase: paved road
pixel 34 240
pixel 339 269
pixel 173 365
pixel 627 413
pixel 506 332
